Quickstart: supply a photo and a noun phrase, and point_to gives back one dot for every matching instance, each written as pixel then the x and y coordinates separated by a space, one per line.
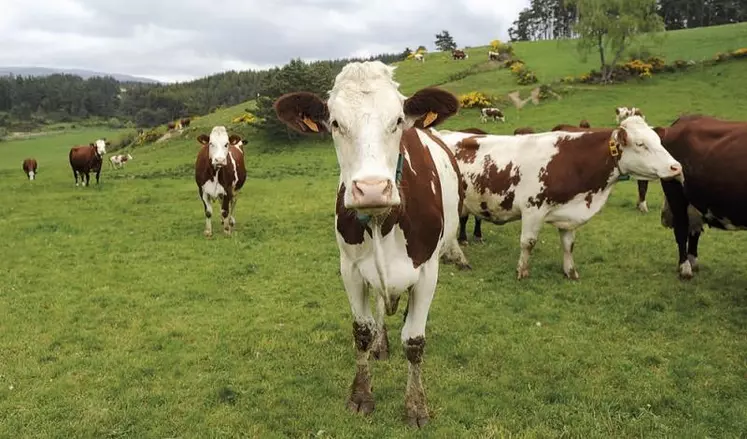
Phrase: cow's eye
pixel 400 121
pixel 335 124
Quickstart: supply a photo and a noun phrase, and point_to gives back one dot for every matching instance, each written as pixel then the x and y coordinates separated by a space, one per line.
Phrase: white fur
pixel 32 175
pixel 531 154
pixel 100 146
pixel 419 57
pixel 218 146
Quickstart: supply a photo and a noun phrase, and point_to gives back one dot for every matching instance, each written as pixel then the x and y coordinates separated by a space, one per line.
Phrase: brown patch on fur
pixel 466 149
pixel 583 164
pixel 431 99
pixel 291 108
pixel 472 131
pixel 347 221
pixel 462 184
pixel 589 198
pixel 498 182
pixel 523 130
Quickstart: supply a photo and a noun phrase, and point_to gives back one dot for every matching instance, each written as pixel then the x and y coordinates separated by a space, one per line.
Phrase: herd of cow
pixel 406 190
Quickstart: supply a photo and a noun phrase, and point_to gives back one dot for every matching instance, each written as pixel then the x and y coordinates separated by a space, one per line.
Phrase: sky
pixel 179 40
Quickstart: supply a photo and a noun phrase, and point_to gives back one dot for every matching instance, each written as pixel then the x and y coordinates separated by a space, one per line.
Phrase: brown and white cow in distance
pixel 87 159
pixel 29 167
pixel 419 57
pixel 390 230
pixel 459 54
pixel 119 160
pixel 491 113
pixel 523 130
pixel 561 178
pixel 713 153
pixel 219 173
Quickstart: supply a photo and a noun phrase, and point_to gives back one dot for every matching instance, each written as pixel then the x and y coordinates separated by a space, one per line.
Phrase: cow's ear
pixel 429 107
pixel 303 112
pixel 233 139
pixel 203 138
pixel 661 132
pixel 621 136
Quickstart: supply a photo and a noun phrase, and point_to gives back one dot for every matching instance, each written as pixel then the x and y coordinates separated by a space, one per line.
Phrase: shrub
pixel 474 99
pixel 247 118
pixel 638 67
pixel 149 136
pixel 740 53
pixel 527 77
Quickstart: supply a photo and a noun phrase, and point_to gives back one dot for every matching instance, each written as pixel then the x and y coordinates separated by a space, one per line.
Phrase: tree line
pixel 553 19
pixel 30 101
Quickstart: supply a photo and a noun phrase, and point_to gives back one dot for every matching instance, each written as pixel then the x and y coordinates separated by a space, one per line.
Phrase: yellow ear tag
pixel 311 124
pixel 614 150
pixel 429 118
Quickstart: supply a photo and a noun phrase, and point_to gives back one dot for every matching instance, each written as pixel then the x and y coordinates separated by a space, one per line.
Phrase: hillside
pixel 122 320
pixel 85 74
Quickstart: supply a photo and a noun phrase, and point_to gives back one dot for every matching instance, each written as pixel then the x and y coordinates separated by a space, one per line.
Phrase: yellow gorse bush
pixel 474 99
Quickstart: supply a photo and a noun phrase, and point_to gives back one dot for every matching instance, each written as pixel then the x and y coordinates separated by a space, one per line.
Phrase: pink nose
pixel 372 193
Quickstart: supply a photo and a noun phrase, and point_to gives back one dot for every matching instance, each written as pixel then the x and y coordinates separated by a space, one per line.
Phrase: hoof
pixel 693 263
pixel 686 271
pixel 361 403
pixel 643 207
pixel 463 242
pixel 207 233
pixel 464 266
pixel 418 421
pixel 522 273
pixel 478 240
pixel 572 275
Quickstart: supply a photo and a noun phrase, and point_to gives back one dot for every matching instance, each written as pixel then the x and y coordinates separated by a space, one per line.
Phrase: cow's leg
pixel 75 174
pixel 98 172
pixel 88 178
pixel 463 229
pixel 361 398
pixel 477 233
pixel 207 203
pixel 453 254
pixel 692 250
pixel 567 237
pixel 642 189
pixel 530 227
pixel 225 212
pixel 413 338
pixel 677 202
pixel 380 348
pixel 231 218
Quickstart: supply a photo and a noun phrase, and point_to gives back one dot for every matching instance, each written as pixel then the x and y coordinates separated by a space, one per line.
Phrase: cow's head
pixel 218 143
pixel 641 153
pixel 366 115
pixel 622 113
pixel 100 145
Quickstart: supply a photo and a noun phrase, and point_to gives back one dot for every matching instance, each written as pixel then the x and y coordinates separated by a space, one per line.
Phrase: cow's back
pixel 82 158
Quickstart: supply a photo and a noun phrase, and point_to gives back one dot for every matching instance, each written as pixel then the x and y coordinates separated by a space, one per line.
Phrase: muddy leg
pixel 478 231
pixel 567 237
pixel 463 229
pixel 361 398
pixel 380 349
pixel 530 228
pixel 642 189
pixel 208 205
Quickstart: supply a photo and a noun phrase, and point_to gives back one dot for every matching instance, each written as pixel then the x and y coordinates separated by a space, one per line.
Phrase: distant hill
pixel 85 74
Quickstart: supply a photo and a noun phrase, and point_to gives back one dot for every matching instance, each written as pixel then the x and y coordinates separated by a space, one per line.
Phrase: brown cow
pixel 459 54
pixel 171 126
pixel 84 159
pixel 398 203
pixel 185 122
pixel 523 130
pixel 29 167
pixel 713 153
pixel 219 174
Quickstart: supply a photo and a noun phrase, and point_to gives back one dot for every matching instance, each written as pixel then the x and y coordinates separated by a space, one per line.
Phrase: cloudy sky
pixel 177 40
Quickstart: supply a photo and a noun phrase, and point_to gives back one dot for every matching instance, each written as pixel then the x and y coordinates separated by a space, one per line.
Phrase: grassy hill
pixel 121 320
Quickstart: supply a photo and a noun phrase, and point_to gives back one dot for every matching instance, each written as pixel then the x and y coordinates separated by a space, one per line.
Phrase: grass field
pixel 119 319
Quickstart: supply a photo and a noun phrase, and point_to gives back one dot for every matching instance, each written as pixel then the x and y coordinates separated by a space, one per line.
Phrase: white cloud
pixel 185 39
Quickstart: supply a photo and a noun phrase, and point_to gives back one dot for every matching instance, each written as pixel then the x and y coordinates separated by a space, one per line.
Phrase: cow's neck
pixel 364 218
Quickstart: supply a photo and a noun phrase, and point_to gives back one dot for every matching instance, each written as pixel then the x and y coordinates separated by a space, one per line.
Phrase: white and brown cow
pixel 119 160
pixel 459 54
pixel 562 178
pixel 87 159
pixel 29 167
pixel 219 174
pixel 493 56
pixel 491 113
pixel 398 202
pixel 419 57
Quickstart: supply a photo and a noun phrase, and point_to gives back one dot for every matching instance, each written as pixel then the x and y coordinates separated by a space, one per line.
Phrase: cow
pixel 491 113
pixel 523 130
pixel 29 167
pixel 88 158
pixel 419 57
pixel 459 54
pixel 562 178
pixel 118 160
pixel 220 174
pixel 584 124
pixel 493 56
pixel 712 152
pixel 397 210
pixel 185 122
pixel 171 126
pixel 477 231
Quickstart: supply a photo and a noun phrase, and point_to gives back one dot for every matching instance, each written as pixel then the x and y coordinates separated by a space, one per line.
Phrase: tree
pixel 611 26
pixel 444 41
